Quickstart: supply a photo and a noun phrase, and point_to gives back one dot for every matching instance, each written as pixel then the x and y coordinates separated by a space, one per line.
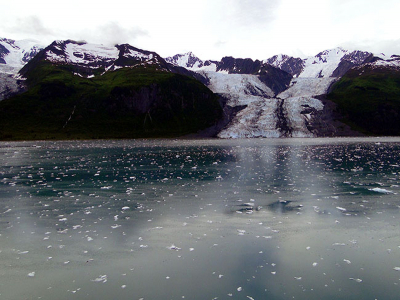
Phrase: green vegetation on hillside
pixel 126 103
pixel 369 100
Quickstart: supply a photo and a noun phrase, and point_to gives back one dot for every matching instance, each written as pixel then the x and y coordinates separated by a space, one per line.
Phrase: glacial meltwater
pixel 200 219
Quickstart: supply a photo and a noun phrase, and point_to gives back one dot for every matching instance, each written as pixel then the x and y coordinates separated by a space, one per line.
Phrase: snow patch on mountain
pixel 138 55
pixel 81 53
pixel 392 64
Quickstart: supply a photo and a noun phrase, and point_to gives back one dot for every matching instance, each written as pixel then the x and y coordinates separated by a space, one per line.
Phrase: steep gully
pixel 282 123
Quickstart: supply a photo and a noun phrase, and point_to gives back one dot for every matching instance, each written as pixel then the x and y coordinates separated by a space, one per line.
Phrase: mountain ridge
pixel 281 96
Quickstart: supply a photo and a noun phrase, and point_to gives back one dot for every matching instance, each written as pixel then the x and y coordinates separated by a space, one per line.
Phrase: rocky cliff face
pixel 289 64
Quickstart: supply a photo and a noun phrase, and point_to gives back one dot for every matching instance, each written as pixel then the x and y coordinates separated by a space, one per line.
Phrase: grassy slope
pixel 369 100
pixel 182 105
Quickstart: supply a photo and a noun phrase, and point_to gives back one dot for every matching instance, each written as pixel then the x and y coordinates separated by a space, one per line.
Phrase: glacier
pixel 13 56
pixel 298 110
pixel 264 113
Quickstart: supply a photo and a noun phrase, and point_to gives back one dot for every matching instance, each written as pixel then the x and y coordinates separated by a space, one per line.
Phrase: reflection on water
pixel 206 219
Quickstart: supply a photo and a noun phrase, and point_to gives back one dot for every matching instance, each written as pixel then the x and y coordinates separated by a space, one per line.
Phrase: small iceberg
pixel 173 247
pixel 101 278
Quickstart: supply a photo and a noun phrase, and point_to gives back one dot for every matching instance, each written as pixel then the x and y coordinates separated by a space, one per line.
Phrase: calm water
pixel 208 219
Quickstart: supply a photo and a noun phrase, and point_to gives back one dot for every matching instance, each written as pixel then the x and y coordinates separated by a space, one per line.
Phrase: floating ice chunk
pixel 356 279
pixel 23 252
pixel 347 261
pixel 241 231
pixel 297 278
pixel 89 238
pixel 106 187
pixel 315 264
pixel 125 208
pixel 341 208
pixel 382 191
pixel 396 268
pixel 31 274
pixel 63 219
pixel 239 289
pixel 339 244
pixel 123 286
pixel 101 278
pixel 191 249
pixel 173 247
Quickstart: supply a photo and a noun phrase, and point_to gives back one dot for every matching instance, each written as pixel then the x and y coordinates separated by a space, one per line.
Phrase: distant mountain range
pixel 72 89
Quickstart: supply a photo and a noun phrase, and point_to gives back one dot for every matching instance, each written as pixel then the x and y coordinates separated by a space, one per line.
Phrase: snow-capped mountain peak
pixel 292 65
pixel 80 53
pixel 89 57
pixel 191 62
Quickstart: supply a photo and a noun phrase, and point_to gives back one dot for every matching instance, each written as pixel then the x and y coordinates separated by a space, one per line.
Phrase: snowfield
pixel 302 87
pixel 84 54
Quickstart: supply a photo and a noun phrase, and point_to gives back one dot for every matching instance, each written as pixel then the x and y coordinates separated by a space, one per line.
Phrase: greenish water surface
pixel 200 219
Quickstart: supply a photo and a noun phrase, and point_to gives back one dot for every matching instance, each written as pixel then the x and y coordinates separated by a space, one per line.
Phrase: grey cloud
pixel 252 12
pixel 30 25
pixel 387 47
pixel 219 43
pixel 231 14
pixel 112 33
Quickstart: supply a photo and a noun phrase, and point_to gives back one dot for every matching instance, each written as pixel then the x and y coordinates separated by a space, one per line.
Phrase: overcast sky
pixel 211 29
